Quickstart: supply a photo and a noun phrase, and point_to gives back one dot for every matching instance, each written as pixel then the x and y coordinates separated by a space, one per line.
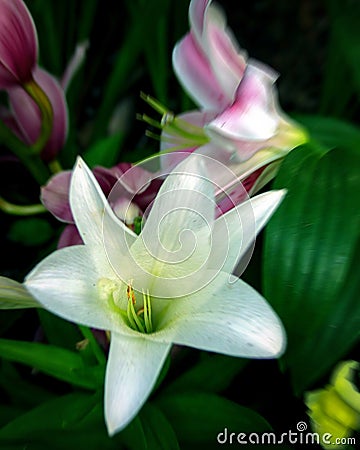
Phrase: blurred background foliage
pixel 306 263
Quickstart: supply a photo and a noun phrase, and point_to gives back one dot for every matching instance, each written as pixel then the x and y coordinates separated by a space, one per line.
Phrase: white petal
pixel 167 251
pixel 197 13
pixel 185 202
pixel 14 295
pixel 235 320
pixel 88 205
pixel 133 367
pixel 66 283
pixel 235 231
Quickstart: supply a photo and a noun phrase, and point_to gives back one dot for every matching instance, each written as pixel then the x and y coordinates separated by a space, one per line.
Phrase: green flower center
pixel 139 320
pixel 123 301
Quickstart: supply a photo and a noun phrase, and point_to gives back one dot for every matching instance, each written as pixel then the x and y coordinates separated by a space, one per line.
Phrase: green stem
pixel 99 354
pixel 20 210
pixel 46 111
pixel 33 162
pixel 55 166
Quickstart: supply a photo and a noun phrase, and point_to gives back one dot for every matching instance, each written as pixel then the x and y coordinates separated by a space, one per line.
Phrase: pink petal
pixel 55 196
pixel 28 116
pixel 227 60
pixel 18 43
pixel 239 194
pixel 194 73
pixel 133 179
pixel 197 12
pixel 252 119
pixel 70 236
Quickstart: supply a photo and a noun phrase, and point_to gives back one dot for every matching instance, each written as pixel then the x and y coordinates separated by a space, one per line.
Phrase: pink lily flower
pixel 18 44
pixel 238 103
pixel 239 121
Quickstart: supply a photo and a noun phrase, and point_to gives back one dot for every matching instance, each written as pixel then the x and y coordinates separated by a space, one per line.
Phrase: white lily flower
pixel 171 284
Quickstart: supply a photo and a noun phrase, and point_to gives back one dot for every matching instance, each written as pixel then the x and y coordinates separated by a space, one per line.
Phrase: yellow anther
pixel 130 293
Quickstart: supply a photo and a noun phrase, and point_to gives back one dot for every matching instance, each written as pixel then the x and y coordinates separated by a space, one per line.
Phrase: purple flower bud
pixel 28 117
pixel 18 44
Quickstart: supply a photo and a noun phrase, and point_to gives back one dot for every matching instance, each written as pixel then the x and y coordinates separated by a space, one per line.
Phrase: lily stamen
pixel 176 129
pixel 139 320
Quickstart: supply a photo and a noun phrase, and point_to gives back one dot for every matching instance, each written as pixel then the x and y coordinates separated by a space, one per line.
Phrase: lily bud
pixel 18 44
pixel 29 118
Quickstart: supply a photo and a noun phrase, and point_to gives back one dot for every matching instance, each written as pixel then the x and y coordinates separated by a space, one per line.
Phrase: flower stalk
pixel 31 161
pixel 21 210
pixel 46 110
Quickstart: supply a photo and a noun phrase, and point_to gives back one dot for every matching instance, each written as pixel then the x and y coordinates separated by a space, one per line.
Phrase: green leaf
pixel 58 331
pixel 198 418
pixel 157 49
pixel 77 421
pixel 197 378
pixel 105 151
pixel 19 391
pixel 345 26
pixel 332 132
pixel 158 431
pixel 14 295
pixel 30 232
pixel 122 71
pixel 309 274
pixel 57 362
pixel 71 421
pixel 133 436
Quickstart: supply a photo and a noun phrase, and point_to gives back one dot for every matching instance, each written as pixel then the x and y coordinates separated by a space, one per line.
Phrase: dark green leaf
pixel 158 431
pixel 58 331
pixel 332 132
pixel 19 391
pixel 199 418
pixel 198 378
pixel 57 362
pixel 309 273
pixel 105 151
pixel 72 421
pixel 30 231
pixel 133 436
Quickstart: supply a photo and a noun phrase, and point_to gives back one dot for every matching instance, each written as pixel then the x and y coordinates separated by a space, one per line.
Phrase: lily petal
pixel 238 229
pixel 236 320
pixel 88 206
pixel 14 295
pixel 65 283
pixel 55 196
pixel 132 370
pixel 252 115
pixel 18 43
pixel 227 60
pixel 194 73
pixel 70 236
pixel 166 252
pixel 197 12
